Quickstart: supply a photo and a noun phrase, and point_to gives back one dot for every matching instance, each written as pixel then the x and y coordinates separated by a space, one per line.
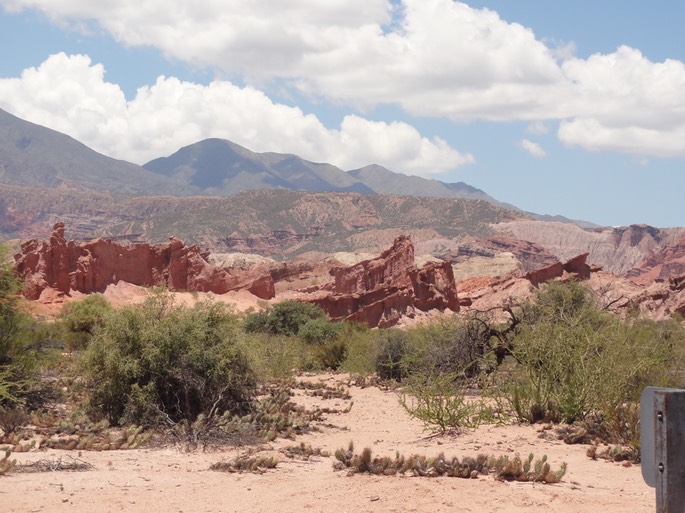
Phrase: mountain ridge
pixel 34 155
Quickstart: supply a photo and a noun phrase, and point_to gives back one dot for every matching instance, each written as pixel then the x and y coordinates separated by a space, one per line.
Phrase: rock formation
pixel 576 266
pixel 91 266
pixel 382 290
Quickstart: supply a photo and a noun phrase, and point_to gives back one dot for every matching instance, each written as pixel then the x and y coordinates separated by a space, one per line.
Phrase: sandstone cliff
pixel 92 266
pixel 380 291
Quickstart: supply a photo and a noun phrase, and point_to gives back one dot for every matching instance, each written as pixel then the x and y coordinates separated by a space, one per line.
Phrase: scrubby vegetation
pixel 204 375
pixel 24 347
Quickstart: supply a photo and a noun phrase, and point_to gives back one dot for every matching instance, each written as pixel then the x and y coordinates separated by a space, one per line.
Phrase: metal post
pixel 669 431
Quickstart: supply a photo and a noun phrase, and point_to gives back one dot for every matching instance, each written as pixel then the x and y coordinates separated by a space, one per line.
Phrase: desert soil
pixel 171 480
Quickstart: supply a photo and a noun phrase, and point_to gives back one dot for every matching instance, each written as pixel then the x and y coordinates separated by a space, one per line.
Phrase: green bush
pixel 439 402
pixel 320 331
pixel 284 318
pixel 80 319
pixel 158 359
pixel 23 344
pixel 392 350
pixel 573 358
pixel 450 346
pixel 361 349
pixel 277 357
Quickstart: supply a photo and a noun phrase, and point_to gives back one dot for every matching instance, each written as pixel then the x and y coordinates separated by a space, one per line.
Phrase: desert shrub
pixel 326 337
pixel 391 353
pixel 23 345
pixel 361 349
pixel 320 331
pixel 439 402
pixel 161 360
pixel 331 354
pixel 573 358
pixel 11 419
pixel 80 319
pixel 277 357
pixel 284 318
pixel 450 346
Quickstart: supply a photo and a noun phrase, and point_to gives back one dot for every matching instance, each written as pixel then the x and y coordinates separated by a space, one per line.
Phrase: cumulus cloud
pixel 438 58
pixel 534 149
pixel 627 103
pixel 70 94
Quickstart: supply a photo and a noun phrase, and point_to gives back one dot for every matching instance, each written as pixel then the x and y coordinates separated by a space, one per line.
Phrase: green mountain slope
pixel 33 155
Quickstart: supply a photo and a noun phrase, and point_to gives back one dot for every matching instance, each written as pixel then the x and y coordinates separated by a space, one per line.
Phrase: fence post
pixel 669 431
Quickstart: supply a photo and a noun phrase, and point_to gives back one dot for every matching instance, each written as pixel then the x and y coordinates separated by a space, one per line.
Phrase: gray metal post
pixel 669 419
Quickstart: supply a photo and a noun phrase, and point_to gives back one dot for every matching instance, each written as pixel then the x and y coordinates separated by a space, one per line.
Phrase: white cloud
pixel 627 103
pixel 69 94
pixel 431 57
pixel 537 128
pixel 534 149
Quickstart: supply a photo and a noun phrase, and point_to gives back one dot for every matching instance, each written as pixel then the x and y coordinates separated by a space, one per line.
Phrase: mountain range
pixel 37 156
pixel 227 198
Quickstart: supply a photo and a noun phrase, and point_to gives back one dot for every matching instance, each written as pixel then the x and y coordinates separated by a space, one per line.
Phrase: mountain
pixel 220 167
pixel 383 181
pixel 37 156
pixel 34 155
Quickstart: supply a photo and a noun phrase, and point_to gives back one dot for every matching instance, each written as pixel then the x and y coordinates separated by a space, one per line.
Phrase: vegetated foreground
pixel 193 406
pixel 169 479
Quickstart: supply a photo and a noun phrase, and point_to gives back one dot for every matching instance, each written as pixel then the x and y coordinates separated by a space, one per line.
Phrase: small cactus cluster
pixel 502 467
pixel 276 415
pixel 614 453
pixel 530 469
pixel 273 416
pixel 129 438
pixel 246 463
pixel 304 452
pixel 17 446
pixel 324 391
pixel 6 464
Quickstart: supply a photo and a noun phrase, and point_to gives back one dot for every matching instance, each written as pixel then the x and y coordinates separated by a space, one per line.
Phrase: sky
pixel 561 108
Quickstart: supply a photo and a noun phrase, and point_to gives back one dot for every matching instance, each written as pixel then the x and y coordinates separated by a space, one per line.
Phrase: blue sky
pixel 570 108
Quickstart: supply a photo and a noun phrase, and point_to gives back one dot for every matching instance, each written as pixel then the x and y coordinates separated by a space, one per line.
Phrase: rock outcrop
pixel 379 292
pixel 577 266
pixel 91 266
pixel 661 265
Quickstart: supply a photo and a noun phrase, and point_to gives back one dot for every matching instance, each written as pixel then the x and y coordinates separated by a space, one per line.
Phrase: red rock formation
pixel 576 266
pixel 92 266
pixel 660 265
pixel 380 291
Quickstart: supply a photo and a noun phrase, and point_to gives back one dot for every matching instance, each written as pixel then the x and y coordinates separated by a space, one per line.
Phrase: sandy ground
pixel 169 480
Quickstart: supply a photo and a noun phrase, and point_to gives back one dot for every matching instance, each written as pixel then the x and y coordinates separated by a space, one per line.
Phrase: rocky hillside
pixel 617 249
pixel 279 223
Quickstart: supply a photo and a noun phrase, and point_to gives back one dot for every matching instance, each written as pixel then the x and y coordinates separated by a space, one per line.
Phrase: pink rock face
pixel 92 266
pixel 381 291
